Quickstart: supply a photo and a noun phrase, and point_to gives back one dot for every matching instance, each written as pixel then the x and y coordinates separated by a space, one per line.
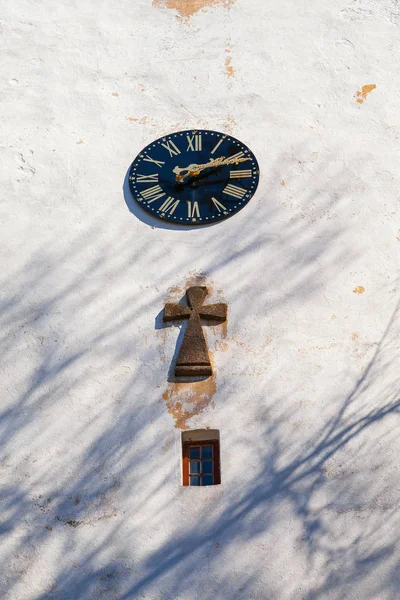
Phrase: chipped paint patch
pixel 187 8
pixel 229 70
pixel 359 290
pixel 365 90
pixel 188 399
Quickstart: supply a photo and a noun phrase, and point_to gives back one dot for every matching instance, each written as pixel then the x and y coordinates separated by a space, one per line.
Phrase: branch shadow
pixel 81 507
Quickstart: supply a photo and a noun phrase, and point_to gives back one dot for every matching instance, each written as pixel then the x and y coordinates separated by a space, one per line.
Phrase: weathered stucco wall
pixel 306 385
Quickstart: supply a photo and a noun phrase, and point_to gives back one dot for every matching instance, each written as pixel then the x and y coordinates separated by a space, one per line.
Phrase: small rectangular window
pixel 201 465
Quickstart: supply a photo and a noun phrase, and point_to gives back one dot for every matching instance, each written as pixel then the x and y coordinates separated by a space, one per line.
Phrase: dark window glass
pixel 207 466
pixel 200 464
pixel 208 480
pixel 207 452
pixel 194 467
pixel 194 452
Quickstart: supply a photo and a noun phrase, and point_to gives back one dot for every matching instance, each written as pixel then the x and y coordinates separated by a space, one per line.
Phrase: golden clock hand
pixel 194 169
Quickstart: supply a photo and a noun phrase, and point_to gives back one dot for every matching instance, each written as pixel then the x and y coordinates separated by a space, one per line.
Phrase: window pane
pixel 207 466
pixel 194 480
pixel 194 452
pixel 207 452
pixel 194 466
pixel 208 480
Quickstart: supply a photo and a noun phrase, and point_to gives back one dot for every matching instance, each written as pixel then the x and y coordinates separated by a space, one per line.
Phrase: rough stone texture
pixel 193 359
pixel 306 386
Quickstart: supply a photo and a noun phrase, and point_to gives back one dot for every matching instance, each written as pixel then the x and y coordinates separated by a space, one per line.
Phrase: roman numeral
pixel 193 210
pixel 240 174
pixel 169 205
pixel 146 178
pixel 153 193
pixel 171 147
pixel 219 206
pixel 159 163
pixel 194 142
pixel 234 190
pixel 218 144
pixel 236 156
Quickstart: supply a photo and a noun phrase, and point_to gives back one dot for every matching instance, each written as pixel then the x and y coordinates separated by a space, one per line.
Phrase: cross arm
pixel 216 312
pixel 172 312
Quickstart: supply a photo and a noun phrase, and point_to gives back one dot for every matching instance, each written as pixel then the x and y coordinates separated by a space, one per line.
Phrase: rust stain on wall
pixel 229 70
pixel 365 90
pixel 359 290
pixel 187 8
pixel 187 399
pixel 141 121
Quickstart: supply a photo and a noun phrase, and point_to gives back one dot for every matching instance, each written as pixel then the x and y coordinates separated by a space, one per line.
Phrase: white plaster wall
pixel 306 393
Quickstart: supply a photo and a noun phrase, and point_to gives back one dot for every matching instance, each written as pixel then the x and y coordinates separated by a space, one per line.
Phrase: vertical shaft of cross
pixel 193 358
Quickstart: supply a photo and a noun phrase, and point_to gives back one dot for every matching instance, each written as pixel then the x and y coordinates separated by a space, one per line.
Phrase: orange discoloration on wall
pixel 229 70
pixel 320 348
pixel 365 90
pixel 221 346
pixel 141 121
pixel 185 400
pixel 187 8
pixel 359 290
pixel 253 351
pixel 175 291
pixel 230 123
pixel 282 182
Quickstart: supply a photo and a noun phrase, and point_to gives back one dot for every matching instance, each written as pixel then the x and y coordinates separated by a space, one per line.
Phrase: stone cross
pixel 193 356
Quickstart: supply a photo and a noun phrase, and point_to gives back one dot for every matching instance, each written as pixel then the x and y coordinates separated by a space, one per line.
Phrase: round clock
pixel 194 177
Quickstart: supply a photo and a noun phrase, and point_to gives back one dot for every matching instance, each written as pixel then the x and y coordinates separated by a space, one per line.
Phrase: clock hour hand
pixel 193 169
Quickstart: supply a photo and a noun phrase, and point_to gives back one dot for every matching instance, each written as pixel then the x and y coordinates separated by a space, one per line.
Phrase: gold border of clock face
pixel 194 177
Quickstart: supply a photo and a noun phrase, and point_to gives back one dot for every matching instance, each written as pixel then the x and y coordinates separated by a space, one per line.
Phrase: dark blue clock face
pixel 194 177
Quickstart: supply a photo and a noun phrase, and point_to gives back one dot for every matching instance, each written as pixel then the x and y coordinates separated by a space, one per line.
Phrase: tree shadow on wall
pixel 345 560
pixel 84 516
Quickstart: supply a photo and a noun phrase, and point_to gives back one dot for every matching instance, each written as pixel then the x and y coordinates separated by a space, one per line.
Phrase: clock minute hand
pixel 194 169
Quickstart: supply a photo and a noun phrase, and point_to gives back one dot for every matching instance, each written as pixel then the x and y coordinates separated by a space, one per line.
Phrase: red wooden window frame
pixel 185 460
